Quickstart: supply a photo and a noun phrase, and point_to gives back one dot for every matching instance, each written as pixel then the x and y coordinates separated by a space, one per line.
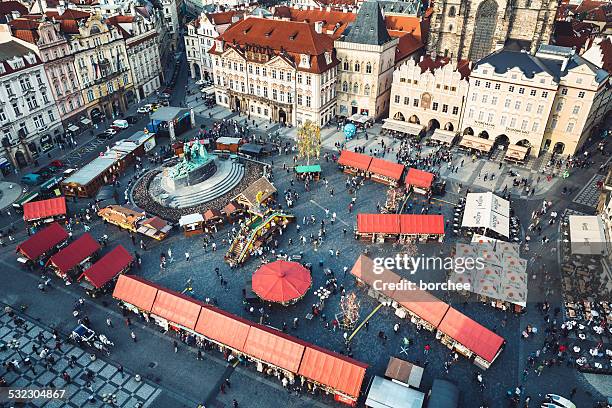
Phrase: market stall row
pixel 269 349
pixel 45 211
pixel 382 227
pixel 135 221
pixel 382 171
pixel 453 328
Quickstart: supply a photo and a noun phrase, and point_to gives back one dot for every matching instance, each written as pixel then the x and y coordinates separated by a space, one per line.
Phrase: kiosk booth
pixel 99 278
pixel 74 257
pixel 43 242
pixel 45 211
pixel 192 224
pixel 420 181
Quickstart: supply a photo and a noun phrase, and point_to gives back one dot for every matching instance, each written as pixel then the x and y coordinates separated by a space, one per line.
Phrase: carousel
pixel 283 282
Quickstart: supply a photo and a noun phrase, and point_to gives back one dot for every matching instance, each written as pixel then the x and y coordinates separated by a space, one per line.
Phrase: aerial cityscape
pixel 306 203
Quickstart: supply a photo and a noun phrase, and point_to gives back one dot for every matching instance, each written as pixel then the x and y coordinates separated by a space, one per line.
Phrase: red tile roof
pixel 109 266
pixel 7 7
pixel 69 14
pixel 292 38
pixel 42 241
pixel 37 210
pixel 334 22
pixel 224 17
pixel 606 49
pixel 408 44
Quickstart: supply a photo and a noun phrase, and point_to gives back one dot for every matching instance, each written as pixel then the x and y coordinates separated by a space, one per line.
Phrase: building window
pixel 90 95
pixel 307 101
pixel 512 122
pixel 480 115
pixel 570 127
pixel 474 97
pixel 540 109
pixel 559 106
pixel 289 98
pixel 265 89
pixel 31 101
pixel 576 110
pixel 45 98
pixel 110 87
pixel 453 88
pixel 507 103
pixel 485 98
pixel 250 69
pixel 522 91
pixel 528 107
pixel 564 91
pixel 281 75
pixel 2 115
pixel 355 88
pixel 126 79
pixel 487 84
pixel 544 94
pixel 471 113
pixel 345 65
pixel 517 105
pixel 308 80
pixel 396 98
pixel 51 116
pixel 415 103
pixel 451 11
pixel 455 110
pixel 581 94
pixel 299 99
pixel 357 67
pixel 257 73
pixel 503 121
pixel 39 121
pixel 251 89
pixel 274 94
pixel 511 88
pixel 553 123
pixel 534 127
pixel 264 72
pixel 406 100
pixel 494 100
pixel 273 74
pixel 368 68
pixel 435 106
pixel 345 89
pixel 497 87
pixel 444 108
pixel 477 82
pixel 524 125
pixel 366 90
pixel 288 76
pixel 299 79
pixel 532 92
pixel 490 118
pixel 578 80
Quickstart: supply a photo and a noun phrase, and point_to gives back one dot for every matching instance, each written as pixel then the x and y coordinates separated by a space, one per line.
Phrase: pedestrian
pixel 235 404
pixel 175 346
pixel 426 349
pixel 170 259
pixel 109 323
pixel 128 322
pixel 396 328
pixel 120 370
pixel 186 256
pixel 227 383
pixel 199 357
pixel 133 336
pixel 573 392
pixel 222 388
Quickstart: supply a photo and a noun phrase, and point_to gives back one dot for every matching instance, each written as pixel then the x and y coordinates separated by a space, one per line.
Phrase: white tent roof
pixel 486 210
pixel 190 219
pixel 388 394
pixel 587 234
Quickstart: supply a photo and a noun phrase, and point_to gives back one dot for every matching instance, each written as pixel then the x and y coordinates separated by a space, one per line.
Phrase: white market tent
pixel 487 211
pixel 388 394
pixel 190 219
pixel 587 235
pixel 504 276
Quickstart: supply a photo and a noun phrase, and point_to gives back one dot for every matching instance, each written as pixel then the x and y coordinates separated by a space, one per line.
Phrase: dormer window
pixel 293 36
pixel 304 61
pixel 328 59
pixel 219 45
pixel 269 33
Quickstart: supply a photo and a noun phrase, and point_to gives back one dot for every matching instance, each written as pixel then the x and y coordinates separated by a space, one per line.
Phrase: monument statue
pixel 196 166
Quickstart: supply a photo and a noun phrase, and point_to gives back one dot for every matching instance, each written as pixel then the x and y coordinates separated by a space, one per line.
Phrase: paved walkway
pixel 106 379
pixel 9 192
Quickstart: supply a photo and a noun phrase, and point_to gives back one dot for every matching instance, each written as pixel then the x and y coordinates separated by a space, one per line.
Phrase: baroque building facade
pixel 473 29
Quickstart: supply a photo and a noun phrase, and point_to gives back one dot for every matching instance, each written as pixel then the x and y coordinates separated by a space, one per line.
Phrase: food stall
pixel 175 311
pixel 486 214
pixel 420 181
pixel 404 227
pixel 378 228
pixel 135 293
pixel 402 371
pixel 469 338
pixel 313 171
pixel 223 329
pixel 421 227
pixel 122 217
pixel 386 172
pixel 232 211
pixel 231 144
pixel 192 224
pixel 257 193
pixel 213 216
pixel 43 242
pixel 74 257
pixel 98 278
pixel 154 227
pixel 45 211
pixel 355 164
pixel 388 394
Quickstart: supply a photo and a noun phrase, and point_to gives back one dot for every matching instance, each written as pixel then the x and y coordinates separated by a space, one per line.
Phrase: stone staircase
pixel 210 189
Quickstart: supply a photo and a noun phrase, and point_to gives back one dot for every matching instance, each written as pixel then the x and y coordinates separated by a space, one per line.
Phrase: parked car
pixel 31 178
pixel 200 82
pixel 144 109
pixel 110 132
pixel 154 107
pixel 57 164
pixel 120 124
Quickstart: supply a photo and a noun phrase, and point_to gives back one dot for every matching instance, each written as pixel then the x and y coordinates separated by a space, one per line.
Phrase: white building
pixel 28 114
pixel 200 37
pixel 142 44
pixel 284 71
pixel 430 92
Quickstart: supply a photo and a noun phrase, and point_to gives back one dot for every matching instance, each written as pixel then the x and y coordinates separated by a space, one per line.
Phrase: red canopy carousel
pixel 281 281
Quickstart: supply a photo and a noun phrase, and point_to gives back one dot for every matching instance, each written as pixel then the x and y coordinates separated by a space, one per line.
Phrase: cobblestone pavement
pixel 589 195
pixel 106 379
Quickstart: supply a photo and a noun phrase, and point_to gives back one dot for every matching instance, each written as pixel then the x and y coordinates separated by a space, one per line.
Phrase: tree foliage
pixel 309 141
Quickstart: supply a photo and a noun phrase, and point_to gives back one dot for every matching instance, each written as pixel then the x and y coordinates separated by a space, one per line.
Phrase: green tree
pixel 309 141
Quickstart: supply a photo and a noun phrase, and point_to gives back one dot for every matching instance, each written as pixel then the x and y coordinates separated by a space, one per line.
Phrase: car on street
pixel 164 95
pixel 201 82
pixel 31 178
pixel 57 163
pixel 110 132
pixel 154 107
pixel 120 124
pixel 144 109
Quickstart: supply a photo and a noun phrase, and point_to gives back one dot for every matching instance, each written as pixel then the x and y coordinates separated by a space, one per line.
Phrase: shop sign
pixel 524 132
pixel 486 124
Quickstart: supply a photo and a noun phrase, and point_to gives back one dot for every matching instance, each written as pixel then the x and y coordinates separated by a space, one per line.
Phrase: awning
pixel 378 223
pixel 341 373
pixel 223 327
pixel 587 235
pixel 75 253
pixel 168 113
pixel 251 148
pixel 224 140
pixel 73 128
pixel 42 241
pixel 443 136
pixel 36 210
pixel 109 266
pixel 404 371
pixel 419 178
pixel 135 291
pixel 486 210
pixel 516 152
pixel 85 121
pixel 421 224
pixel 176 308
pixel 402 127
pixel 478 143
pixel 386 168
pixel 212 214
pixel 388 394
pixel 274 347
pixel 474 336
pixel 355 160
pixel 423 304
pixel 313 168
pixel 190 219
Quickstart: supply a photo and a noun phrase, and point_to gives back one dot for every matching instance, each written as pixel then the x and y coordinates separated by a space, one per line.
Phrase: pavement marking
pixel 364 322
pixel 323 208
pixel 444 201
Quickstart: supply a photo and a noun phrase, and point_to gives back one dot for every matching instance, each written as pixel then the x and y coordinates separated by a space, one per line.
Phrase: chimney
pixel 318 26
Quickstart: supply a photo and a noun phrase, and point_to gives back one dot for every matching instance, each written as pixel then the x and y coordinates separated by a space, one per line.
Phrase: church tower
pixel 472 29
